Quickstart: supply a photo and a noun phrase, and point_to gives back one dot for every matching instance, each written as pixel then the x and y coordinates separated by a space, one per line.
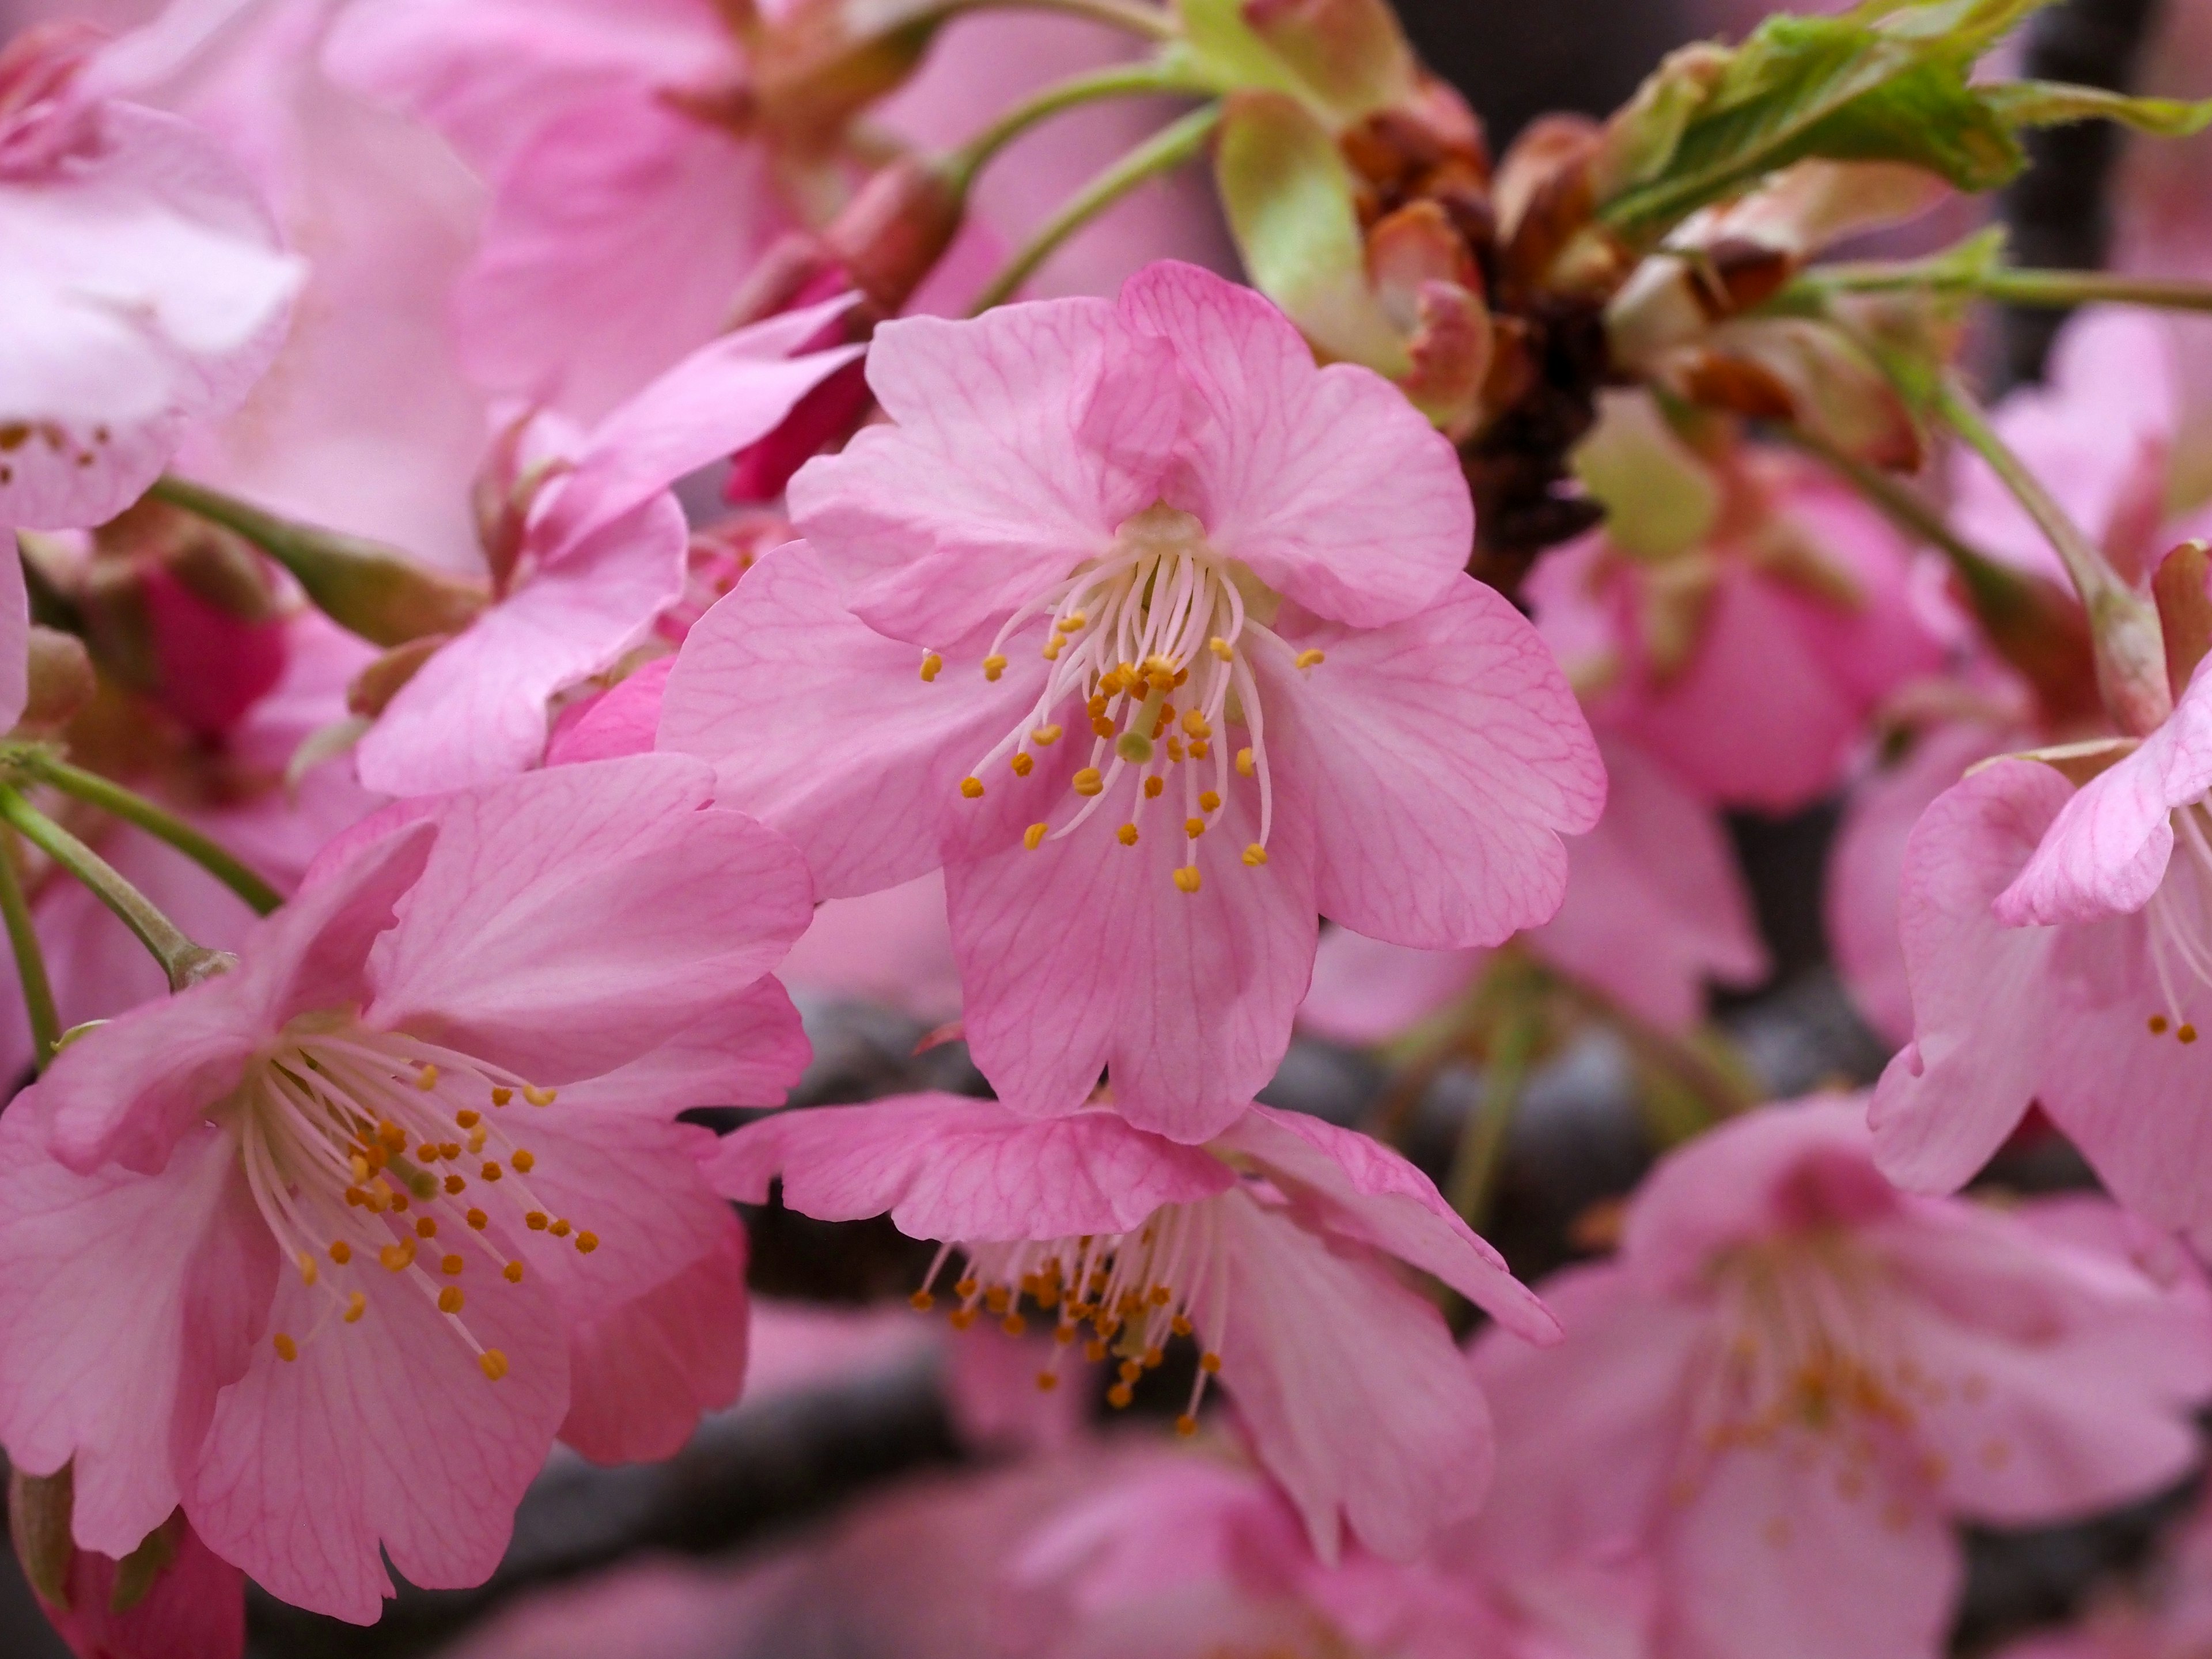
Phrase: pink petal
pixel 893 947
pixel 2074 1376
pixel 14 642
pixel 571 920
pixel 1356 1188
pixel 127 1090
pixel 383 1432
pixel 1082 953
pixel 749 1050
pixel 724 396
pixel 148 294
pixel 126 1302
pixel 2107 850
pixel 196 1608
pixel 1365 991
pixel 475 710
pixel 1355 1400
pixel 1772 1558
pixel 822 728
pixel 1589 1430
pixel 1442 758
pixel 641 1375
pixel 618 722
pixel 619 234
pixel 1023 439
pixel 1326 482
pixel 1981 1013
pixel 1656 905
pixel 945 1167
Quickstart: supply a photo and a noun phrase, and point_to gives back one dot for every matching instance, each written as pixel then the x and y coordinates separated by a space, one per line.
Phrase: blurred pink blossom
pixel 1793 1379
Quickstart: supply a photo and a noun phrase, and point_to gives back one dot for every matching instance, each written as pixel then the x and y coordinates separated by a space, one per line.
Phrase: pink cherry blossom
pixel 278 1249
pixel 1654 907
pixel 147 287
pixel 1751 662
pixel 1795 1378
pixel 1080 508
pixel 2058 946
pixel 635 183
pixel 193 1608
pixel 601 552
pixel 1266 1245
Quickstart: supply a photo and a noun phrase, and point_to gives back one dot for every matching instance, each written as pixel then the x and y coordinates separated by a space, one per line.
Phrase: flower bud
pixel 61 678
pixel 171 1598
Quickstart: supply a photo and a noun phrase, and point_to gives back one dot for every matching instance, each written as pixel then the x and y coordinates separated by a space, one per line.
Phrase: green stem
pixel 1164 151
pixel 132 808
pixel 1115 81
pixel 2058 290
pixel 30 958
pixel 184 962
pixel 1476 1160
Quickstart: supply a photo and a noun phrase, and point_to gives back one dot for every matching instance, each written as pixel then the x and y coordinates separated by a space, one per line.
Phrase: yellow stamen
pixel 307 1271
pixel 1126 834
pixel 1311 659
pixel 1208 802
pixel 993 665
pixel 356 1305
pixel 587 1242
pixel 1072 623
pixel 286 1349
pixel 535 1221
pixel 1023 765
pixel 1220 648
pixel 491 1171
pixel 972 787
pixel 1154 786
pixel 427 1078
pixel 454 1184
pixel 341 1252
pixel 1033 837
pixel 468 1119
pixel 1045 736
pixel 501 1097
pixel 560 1228
pixel 1186 879
pixel 931 663
pixel 1255 855
pixel 512 1273
pixel 1243 762
pixel 493 1363
pixel 450 1300
pixel 1089 781
pixel 537 1096
pixel 522 1160
pixel 1193 827
pixel 426 1228
pixel 479 1219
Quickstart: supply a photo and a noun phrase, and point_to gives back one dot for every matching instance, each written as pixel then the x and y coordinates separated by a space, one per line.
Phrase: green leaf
pixel 2054 103
pixel 1890 81
pixel 1222 51
pixel 1288 194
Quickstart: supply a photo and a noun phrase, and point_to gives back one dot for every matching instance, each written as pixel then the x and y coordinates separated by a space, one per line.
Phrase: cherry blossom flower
pixel 147 287
pixel 597 551
pixel 193 1605
pixel 1749 653
pixel 2058 946
pixel 1795 1378
pixel 1265 1246
pixel 280 1250
pixel 1231 582
pixel 1654 907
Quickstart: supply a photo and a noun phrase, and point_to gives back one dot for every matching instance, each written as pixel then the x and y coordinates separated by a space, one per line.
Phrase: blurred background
pixel 853 1393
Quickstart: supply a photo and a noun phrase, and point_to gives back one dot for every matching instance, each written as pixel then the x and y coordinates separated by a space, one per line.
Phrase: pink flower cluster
pixel 517 566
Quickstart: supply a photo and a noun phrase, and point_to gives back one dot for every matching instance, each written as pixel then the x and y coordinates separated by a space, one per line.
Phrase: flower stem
pixel 1115 81
pixel 2057 289
pixel 30 958
pixel 1472 1180
pixel 2131 650
pixel 132 808
pixel 1164 151
pixel 183 961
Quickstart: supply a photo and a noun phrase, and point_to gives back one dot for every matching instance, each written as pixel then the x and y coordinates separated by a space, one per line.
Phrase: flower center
pixel 2178 920
pixel 1153 641
pixel 369 1151
pixel 1135 1291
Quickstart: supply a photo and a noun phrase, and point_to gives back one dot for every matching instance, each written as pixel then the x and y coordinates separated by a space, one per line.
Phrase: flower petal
pixel 1326 482
pixel 1442 758
pixel 945 1167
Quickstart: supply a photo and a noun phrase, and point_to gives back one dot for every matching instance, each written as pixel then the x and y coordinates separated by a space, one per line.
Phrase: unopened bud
pixel 61 678
pixel 891 235
pixel 38 1508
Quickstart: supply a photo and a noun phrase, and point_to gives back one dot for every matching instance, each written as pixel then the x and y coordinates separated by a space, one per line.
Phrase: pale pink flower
pixel 1752 662
pixel 1655 909
pixel 2058 945
pixel 193 1608
pixel 600 552
pixel 146 287
pixel 1795 1379
pixel 979 659
pixel 280 1249
pixel 2100 435
pixel 636 181
pixel 1266 1246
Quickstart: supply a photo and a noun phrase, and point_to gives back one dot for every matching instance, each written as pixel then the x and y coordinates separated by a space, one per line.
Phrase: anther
pixel 501 1097
pixel 307 1273
pixel 1126 834
pixel 1048 1381
pixel 1243 762
pixel 1033 837
pixel 972 788
pixel 1154 786
pixel 341 1252
pixel 426 1228
pixel 1220 648
pixel 1185 1426
pixel 512 1273
pixel 451 1266
pixel 427 1078
pixel 286 1349
pixel 454 1184
pixel 587 1242
pixel 931 663
pixel 536 1221
pixel 2157 1024
pixel 1200 749
pixel 450 1300
pixel 493 1363
pixel 479 1219
pixel 1193 827
pixel 356 1305
pixel 1210 1364
pixel 1089 781
pixel 1101 726
pixel 537 1096
pixel 2185 1033
pixel 1023 765
pixel 1073 623
pixel 1255 855
pixel 1186 879
pixel 1208 802
pixel 1310 658
pixel 397 1257
pixel 1045 736
pixel 921 1301
pixel 560 1229
pixel 993 665
pixel 1120 1395
pixel 491 1171
pixel 522 1160
pixel 1014 1324
pixel 467 1118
